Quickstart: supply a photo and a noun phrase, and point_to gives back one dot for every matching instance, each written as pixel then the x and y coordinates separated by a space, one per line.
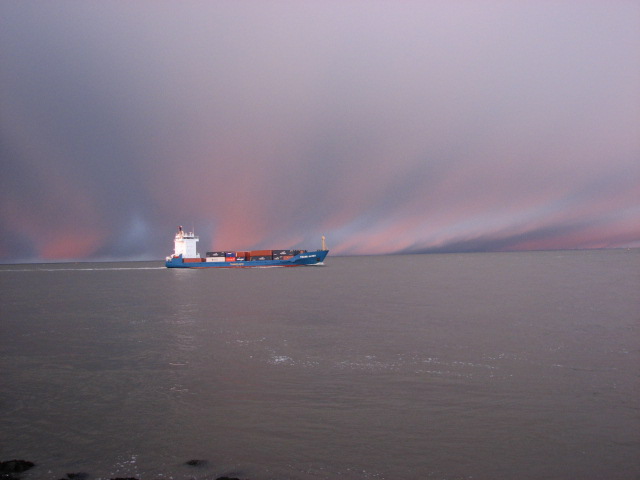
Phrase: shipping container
pixel 230 259
pixel 216 259
pixel 216 254
pixel 260 257
pixel 286 252
pixel 261 253
pixel 192 260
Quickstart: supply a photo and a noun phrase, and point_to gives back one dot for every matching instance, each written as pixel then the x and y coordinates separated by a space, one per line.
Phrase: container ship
pixel 185 255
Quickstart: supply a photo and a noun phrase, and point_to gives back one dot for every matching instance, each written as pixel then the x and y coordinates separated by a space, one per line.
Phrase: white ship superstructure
pixel 185 244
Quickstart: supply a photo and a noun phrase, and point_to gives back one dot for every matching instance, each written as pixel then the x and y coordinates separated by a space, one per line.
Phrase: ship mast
pixel 324 245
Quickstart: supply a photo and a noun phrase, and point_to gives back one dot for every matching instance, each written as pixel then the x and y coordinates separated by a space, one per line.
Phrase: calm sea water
pixel 483 366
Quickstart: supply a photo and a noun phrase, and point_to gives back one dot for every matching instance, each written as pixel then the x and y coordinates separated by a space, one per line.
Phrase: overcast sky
pixel 388 126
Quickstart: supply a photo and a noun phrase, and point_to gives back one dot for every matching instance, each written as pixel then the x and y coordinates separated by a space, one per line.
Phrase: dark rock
pixel 196 463
pixel 15 466
pixel 77 476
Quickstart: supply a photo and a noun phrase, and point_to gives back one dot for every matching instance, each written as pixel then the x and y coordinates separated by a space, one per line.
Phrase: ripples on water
pixel 435 366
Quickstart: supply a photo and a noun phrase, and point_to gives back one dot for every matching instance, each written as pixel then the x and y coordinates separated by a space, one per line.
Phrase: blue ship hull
pixel 302 259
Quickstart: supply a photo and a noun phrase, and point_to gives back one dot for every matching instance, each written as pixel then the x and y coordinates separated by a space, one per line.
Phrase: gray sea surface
pixel 452 366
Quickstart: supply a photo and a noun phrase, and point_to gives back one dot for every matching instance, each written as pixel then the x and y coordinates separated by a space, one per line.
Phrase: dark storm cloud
pixel 389 127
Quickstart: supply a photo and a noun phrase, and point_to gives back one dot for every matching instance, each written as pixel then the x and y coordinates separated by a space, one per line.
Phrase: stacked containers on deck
pixel 284 254
pixel 261 255
pixel 224 256
pixel 216 256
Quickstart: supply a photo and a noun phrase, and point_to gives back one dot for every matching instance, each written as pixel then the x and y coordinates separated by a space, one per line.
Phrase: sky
pixel 404 126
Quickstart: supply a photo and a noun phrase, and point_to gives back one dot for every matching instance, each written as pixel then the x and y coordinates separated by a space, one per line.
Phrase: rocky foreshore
pixel 12 470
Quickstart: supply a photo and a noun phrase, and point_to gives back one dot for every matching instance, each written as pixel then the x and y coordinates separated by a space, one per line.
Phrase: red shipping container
pixel 261 253
pixel 192 260
pixel 230 259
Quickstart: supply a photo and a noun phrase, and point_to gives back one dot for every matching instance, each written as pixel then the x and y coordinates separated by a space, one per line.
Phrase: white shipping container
pixel 216 259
